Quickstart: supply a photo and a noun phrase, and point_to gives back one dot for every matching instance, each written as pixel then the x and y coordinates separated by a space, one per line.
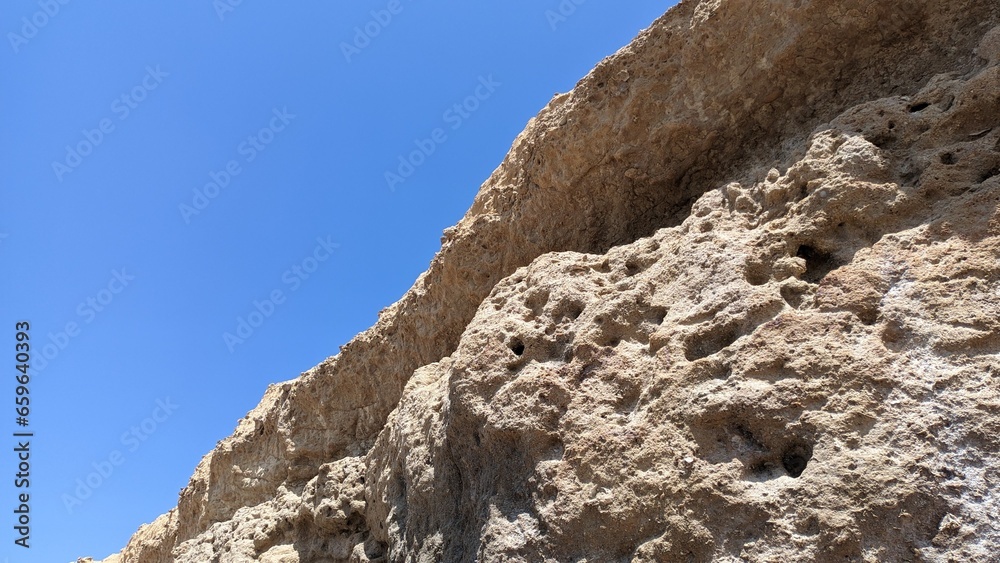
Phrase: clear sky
pixel 175 171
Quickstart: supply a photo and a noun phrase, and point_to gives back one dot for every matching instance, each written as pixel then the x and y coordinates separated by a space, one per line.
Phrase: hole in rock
pixel 948 159
pixel 517 347
pixel 705 344
pixel 757 273
pixel 921 106
pixel 724 371
pixel 868 316
pixel 632 268
pixel 795 459
pixel 656 315
pixel 818 263
pixel 882 140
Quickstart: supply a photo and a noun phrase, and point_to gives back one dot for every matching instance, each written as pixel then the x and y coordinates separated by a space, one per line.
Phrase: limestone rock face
pixel 734 297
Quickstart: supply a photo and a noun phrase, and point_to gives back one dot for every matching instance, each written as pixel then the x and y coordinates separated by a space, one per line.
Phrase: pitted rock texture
pixel 806 369
pixel 736 297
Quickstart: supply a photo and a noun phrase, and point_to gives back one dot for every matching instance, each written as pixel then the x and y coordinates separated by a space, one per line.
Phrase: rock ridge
pixel 734 297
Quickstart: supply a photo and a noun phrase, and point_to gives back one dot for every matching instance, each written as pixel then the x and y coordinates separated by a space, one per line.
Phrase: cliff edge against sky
pixel 736 296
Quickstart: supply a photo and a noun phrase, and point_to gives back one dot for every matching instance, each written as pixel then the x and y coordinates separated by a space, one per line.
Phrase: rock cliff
pixel 736 296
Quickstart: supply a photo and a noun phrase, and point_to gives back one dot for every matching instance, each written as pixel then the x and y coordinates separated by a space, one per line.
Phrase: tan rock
pixel 734 297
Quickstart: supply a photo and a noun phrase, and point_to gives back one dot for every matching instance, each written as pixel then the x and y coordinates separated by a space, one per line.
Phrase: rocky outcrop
pixel 734 297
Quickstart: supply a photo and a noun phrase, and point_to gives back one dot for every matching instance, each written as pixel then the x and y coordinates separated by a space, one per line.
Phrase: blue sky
pixel 172 172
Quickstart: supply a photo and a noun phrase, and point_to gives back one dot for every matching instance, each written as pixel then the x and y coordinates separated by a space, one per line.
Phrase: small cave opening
pixel 818 263
pixel 795 459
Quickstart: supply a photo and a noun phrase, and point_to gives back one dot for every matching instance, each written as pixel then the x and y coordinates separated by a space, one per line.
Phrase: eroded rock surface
pixel 735 297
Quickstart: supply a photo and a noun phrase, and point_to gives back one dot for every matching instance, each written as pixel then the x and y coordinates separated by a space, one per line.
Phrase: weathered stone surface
pixel 734 297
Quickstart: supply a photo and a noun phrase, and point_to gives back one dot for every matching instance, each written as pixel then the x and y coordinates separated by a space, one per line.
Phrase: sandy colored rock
pixel 734 297
pixel 674 399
